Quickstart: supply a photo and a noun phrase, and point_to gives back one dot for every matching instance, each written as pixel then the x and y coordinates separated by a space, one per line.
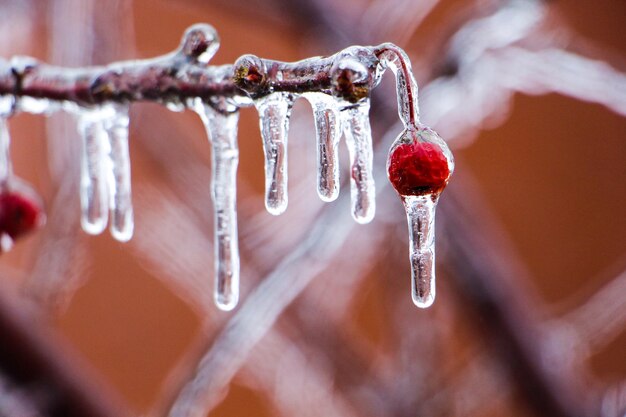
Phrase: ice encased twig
pixel 274 112
pixel 420 213
pixel 358 134
pixel 222 131
pixel 420 203
pixel 406 86
pixel 328 132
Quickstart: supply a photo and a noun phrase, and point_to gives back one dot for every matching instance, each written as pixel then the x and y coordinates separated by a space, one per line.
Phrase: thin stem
pixel 407 90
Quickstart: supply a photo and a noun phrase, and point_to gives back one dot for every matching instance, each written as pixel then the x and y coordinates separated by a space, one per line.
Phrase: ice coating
pixel 105 184
pixel 338 88
pixel 419 163
pixel 118 175
pixel 328 132
pixel 5 159
pixel 21 209
pixel 419 167
pixel 6 108
pixel 358 134
pixel 200 42
pixel 222 131
pixel 406 88
pixel 274 112
pixel 420 213
pixel 94 196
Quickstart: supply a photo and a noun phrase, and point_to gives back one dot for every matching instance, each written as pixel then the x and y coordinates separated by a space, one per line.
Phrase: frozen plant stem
pixel 419 167
pixel 338 88
pixel 406 88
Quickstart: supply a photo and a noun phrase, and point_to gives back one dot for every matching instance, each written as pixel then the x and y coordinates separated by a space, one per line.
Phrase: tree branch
pixel 182 75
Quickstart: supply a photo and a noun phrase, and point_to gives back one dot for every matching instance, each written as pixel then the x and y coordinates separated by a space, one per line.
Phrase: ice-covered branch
pixel 337 86
pixel 184 74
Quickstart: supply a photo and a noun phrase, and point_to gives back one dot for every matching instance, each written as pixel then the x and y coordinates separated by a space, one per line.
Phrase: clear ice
pixel 328 132
pixel 420 214
pixel 274 112
pixel 118 176
pixel 105 171
pixel 406 87
pixel 5 159
pixel 420 210
pixel 6 243
pixel 6 108
pixel 222 132
pixel 358 134
pixel 105 184
pixel 93 176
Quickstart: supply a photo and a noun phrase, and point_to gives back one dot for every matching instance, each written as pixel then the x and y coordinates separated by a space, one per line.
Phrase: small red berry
pixel 18 214
pixel 418 168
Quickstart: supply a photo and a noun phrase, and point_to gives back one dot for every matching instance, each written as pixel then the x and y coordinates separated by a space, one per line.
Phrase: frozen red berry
pixel 418 168
pixel 19 214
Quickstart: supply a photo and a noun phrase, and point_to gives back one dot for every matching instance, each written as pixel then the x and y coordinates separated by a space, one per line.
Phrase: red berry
pixel 418 168
pixel 18 214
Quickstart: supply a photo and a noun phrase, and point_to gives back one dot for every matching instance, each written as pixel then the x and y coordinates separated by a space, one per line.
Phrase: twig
pixel 182 75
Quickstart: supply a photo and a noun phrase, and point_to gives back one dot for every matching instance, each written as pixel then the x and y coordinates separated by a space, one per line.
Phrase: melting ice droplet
pixel 328 132
pixel 274 112
pixel 93 181
pixel 222 131
pixel 358 135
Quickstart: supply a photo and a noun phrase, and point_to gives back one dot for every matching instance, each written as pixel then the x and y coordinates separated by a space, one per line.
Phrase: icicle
pixel 420 213
pixel 356 125
pixel 201 42
pixel 20 207
pixel 119 185
pixel 93 182
pixel 328 131
pixel 222 131
pixel 274 112
pixel 419 167
pixel 6 170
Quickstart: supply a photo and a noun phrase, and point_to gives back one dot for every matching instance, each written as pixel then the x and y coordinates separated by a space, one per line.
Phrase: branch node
pixel 250 74
pixel 200 43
